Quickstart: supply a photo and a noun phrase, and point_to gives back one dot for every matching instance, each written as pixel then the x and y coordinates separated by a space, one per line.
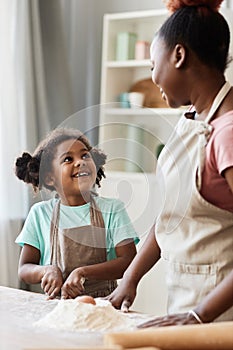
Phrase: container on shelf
pixel 124 100
pixel 142 50
pixel 125 46
pixel 136 99
pixel 134 148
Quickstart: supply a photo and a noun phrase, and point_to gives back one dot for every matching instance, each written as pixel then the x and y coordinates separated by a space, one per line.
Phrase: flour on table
pixel 73 315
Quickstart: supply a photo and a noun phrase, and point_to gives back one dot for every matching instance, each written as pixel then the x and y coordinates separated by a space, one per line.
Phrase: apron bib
pixel 195 236
pixel 80 246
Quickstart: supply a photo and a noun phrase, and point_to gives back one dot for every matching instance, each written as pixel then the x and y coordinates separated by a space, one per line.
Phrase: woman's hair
pixel 33 169
pixel 198 26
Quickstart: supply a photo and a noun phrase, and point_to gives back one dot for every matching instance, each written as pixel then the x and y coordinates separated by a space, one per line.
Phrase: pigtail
pixel 27 169
pixel 99 159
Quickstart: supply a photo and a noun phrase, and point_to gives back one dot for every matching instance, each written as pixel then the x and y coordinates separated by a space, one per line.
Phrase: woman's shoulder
pixel 223 120
pixel 223 126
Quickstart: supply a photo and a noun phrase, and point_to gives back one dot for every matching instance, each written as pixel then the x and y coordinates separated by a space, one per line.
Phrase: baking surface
pixel 20 309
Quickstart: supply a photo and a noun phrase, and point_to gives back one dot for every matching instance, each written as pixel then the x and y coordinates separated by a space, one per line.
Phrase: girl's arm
pixel 113 269
pixel 31 272
pixel 108 270
pixel 29 269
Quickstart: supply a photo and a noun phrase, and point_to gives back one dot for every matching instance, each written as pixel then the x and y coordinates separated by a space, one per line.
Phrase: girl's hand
pixel 170 320
pixel 73 285
pixel 52 281
pixel 123 296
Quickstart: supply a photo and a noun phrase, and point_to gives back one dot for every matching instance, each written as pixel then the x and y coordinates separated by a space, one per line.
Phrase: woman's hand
pixel 170 320
pixel 73 285
pixel 123 296
pixel 52 281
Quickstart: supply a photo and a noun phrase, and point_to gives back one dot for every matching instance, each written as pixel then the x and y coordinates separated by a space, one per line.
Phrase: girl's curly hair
pixel 33 169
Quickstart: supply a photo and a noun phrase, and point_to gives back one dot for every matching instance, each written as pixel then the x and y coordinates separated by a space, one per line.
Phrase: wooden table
pixel 20 309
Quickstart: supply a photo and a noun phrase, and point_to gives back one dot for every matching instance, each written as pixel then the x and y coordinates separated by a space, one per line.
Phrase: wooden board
pixel 212 336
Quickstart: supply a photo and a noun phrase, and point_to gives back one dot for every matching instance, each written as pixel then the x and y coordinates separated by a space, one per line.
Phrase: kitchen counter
pixel 20 309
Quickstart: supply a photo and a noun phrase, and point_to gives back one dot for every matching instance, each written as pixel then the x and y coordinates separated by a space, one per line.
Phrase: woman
pixel 193 232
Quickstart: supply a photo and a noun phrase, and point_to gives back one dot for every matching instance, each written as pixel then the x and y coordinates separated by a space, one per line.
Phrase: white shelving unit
pixel 130 137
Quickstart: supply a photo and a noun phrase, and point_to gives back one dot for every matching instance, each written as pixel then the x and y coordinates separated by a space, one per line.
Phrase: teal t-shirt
pixel 36 229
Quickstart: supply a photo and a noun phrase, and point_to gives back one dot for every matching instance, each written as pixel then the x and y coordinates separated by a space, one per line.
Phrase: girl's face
pixel 73 173
pixel 166 73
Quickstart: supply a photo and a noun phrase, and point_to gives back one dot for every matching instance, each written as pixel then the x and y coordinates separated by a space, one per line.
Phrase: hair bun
pixel 27 168
pixel 174 5
pixel 23 160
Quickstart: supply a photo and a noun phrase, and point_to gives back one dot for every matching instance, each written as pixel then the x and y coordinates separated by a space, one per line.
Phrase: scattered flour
pixel 73 315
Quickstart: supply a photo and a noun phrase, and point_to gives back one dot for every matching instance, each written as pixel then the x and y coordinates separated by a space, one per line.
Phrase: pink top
pixel 219 157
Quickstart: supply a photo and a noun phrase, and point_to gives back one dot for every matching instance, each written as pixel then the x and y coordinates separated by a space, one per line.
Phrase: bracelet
pixel 195 315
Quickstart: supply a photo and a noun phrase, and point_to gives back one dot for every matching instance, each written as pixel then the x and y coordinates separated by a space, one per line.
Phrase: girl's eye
pixel 86 156
pixel 67 159
pixel 152 68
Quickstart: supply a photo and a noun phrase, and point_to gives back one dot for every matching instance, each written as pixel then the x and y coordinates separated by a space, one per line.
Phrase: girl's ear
pixel 49 180
pixel 180 54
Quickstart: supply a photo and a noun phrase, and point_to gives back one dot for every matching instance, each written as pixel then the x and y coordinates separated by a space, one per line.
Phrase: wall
pixel 82 24
pixel 72 34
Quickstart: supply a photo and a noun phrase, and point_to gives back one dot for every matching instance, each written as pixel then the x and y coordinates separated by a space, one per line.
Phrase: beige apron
pixel 80 246
pixel 195 237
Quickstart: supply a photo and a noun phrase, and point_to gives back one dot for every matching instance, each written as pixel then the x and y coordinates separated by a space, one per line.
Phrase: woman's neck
pixel 205 95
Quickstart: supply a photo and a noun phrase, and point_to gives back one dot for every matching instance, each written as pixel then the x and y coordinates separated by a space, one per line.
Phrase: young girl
pixel 193 232
pixel 77 242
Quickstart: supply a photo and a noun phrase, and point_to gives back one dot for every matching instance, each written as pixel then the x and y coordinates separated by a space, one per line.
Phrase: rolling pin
pixel 212 336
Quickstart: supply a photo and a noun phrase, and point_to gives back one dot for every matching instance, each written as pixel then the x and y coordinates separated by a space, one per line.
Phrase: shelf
pixel 136 15
pixel 143 111
pixel 128 64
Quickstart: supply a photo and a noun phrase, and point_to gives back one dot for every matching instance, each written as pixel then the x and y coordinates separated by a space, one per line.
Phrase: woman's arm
pixel 212 306
pixel 219 300
pixel 228 174
pixel 31 272
pixel 147 256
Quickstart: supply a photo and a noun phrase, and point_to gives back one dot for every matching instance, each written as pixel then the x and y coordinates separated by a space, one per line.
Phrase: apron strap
pixel 54 233
pixel 218 100
pixel 95 214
